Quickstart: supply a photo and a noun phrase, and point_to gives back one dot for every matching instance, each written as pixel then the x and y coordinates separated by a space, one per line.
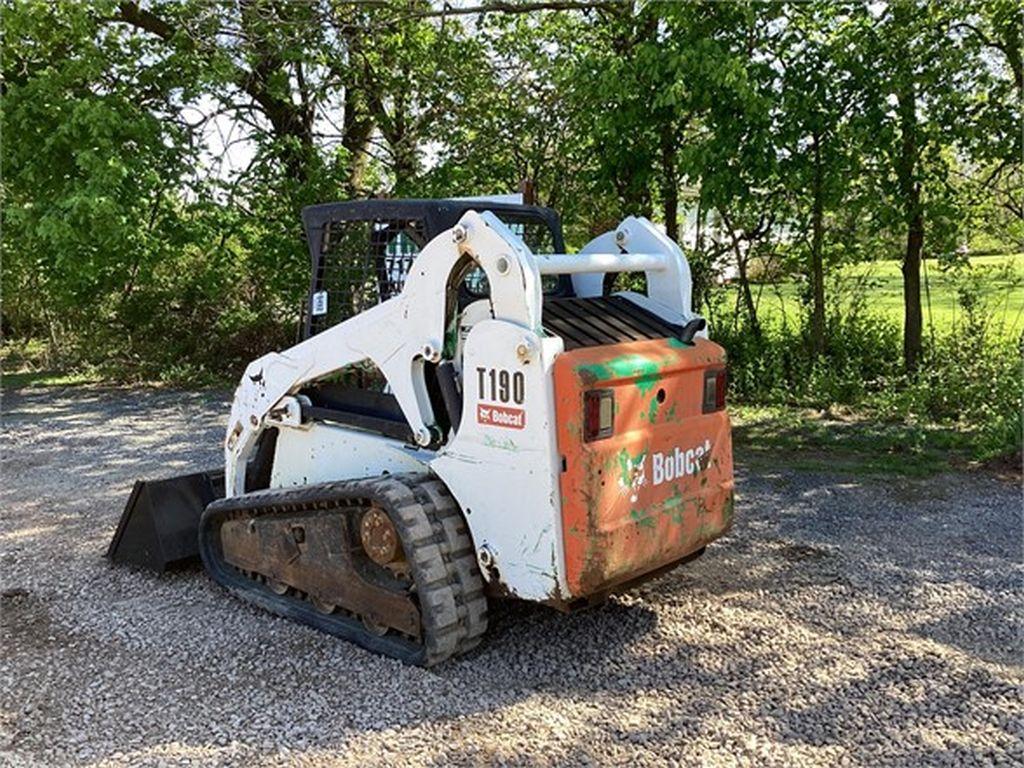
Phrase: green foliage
pixel 969 384
pixel 802 142
pixel 778 367
pixel 91 175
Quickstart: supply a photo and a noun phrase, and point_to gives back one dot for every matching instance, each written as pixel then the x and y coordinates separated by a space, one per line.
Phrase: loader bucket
pixel 159 527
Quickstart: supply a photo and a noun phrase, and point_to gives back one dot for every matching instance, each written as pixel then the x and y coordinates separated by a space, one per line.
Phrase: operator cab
pixel 361 253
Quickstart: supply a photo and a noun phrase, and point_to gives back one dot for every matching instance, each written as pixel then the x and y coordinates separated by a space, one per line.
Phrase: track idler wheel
pixel 379 538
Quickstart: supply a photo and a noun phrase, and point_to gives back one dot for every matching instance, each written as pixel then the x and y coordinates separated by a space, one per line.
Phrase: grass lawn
pixel 47 379
pixel 1000 282
pixel 844 441
pixel 21 366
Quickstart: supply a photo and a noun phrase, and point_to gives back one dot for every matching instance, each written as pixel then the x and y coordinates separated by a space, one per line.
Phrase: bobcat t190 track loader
pixel 467 417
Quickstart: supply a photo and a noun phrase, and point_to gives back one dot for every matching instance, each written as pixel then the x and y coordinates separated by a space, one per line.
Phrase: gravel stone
pixel 844 621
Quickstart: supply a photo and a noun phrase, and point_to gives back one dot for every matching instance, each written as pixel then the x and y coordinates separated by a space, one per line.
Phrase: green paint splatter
pixel 505 445
pixel 673 506
pixel 652 412
pixel 641 367
pixel 627 463
pixel 642 518
pixel 625 467
pixel 646 385
pixel 673 501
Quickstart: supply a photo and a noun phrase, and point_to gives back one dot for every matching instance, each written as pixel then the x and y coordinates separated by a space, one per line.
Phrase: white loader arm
pixel 401 334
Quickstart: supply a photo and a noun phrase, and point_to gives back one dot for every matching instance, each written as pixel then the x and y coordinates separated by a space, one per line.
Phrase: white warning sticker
pixel 319 303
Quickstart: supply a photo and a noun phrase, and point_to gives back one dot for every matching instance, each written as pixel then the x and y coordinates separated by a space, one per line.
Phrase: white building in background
pixel 725 265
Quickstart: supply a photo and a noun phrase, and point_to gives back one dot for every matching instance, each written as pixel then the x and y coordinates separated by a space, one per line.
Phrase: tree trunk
pixel 288 119
pixel 358 128
pixel 745 292
pixel 528 191
pixel 291 122
pixel 910 190
pixel 698 237
pixel 746 295
pixel 671 198
pixel 1009 43
pixel 912 319
pixel 669 182
pixel 403 162
pixel 817 261
pixel 700 271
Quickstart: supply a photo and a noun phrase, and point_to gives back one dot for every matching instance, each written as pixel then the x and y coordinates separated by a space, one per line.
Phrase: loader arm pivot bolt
pixel 459 234
pixel 432 351
pixel 525 350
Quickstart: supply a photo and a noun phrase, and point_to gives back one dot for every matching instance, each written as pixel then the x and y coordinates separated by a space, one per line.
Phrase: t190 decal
pixel 497 385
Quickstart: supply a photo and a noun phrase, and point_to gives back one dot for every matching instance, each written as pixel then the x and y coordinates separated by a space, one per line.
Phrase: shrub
pixel 970 376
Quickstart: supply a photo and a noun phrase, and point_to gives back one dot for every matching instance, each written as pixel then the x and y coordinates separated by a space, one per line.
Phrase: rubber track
pixel 437 544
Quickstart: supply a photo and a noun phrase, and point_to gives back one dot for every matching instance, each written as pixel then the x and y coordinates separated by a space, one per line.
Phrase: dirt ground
pixel 845 620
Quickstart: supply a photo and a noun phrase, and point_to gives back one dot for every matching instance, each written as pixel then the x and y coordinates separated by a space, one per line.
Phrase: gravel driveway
pixel 844 621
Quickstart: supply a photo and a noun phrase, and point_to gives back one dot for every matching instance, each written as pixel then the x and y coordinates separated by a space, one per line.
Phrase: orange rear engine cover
pixel 661 486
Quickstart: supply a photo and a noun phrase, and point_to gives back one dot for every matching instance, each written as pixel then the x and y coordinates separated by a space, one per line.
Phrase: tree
pixel 913 111
pixel 813 110
pixel 94 157
pixel 817 130
pixel 993 152
pixel 731 152
pixel 414 75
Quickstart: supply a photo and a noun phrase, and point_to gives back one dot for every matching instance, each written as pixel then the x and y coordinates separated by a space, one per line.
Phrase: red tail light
pixel 714 390
pixel 598 414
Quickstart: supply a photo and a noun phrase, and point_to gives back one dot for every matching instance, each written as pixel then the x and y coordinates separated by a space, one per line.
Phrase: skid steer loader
pixel 467 417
